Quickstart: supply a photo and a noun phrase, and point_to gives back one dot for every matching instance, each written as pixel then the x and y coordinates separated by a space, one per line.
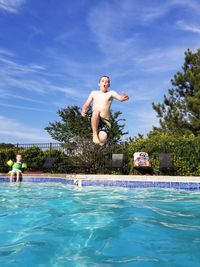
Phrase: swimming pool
pixel 54 224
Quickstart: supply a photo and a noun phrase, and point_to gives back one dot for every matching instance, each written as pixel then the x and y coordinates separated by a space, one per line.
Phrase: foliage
pixel 88 158
pixel 6 153
pixel 6 145
pixel 74 128
pixel 71 127
pixel 180 110
pixel 184 150
pixel 70 158
pixel 33 156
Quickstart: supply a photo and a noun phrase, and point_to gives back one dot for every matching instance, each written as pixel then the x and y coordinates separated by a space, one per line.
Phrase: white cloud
pixel 21 132
pixel 34 31
pixel 192 4
pixel 9 60
pixel 108 33
pixel 32 77
pixel 12 6
pixel 125 50
pixel 5 52
pixel 182 25
pixel 5 95
pixel 162 60
pixel 24 107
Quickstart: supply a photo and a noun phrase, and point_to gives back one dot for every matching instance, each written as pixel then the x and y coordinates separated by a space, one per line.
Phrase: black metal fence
pixel 85 157
pixel 72 157
pixel 43 146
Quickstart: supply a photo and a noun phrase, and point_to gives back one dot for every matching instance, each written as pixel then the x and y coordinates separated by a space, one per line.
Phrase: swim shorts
pixel 104 125
pixel 15 171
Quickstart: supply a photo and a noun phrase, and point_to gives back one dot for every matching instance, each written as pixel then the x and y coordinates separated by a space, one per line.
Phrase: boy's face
pixel 104 84
pixel 19 157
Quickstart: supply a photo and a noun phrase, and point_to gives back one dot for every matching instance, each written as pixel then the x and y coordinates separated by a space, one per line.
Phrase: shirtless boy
pixel 102 101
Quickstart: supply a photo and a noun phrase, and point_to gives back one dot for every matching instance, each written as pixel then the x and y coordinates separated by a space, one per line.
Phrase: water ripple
pixel 56 225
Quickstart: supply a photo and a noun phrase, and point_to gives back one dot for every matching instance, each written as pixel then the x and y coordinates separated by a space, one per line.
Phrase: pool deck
pixel 107 177
pixel 128 181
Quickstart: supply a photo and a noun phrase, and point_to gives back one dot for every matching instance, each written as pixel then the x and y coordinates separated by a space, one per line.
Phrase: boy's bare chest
pixel 104 97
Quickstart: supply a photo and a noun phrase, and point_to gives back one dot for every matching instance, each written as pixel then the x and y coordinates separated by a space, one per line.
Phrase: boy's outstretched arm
pixel 87 105
pixel 122 97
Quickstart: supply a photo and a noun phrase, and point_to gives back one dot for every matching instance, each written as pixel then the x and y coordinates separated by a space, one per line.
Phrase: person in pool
pixel 17 168
pixel 102 100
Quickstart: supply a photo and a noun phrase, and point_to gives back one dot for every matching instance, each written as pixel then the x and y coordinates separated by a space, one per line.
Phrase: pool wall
pixel 128 181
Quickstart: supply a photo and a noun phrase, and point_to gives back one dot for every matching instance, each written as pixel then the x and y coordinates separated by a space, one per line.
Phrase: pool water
pixel 58 225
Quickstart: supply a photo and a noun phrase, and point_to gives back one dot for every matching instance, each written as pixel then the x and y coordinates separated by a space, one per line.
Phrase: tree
pixel 6 146
pixel 180 110
pixel 73 127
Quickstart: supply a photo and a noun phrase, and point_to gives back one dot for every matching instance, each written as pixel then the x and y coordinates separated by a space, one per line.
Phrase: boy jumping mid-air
pixel 102 101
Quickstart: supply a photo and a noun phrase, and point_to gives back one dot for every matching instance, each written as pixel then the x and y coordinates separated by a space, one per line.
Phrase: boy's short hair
pixel 105 76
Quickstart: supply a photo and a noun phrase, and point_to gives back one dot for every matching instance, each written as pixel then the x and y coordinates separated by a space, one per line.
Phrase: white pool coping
pixel 104 177
pixel 147 178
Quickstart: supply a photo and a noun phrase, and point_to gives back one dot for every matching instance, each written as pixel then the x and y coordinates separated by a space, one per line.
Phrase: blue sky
pixel 53 52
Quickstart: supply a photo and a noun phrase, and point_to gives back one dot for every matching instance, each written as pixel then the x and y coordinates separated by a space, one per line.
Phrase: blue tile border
pixel 163 184
pixel 193 186
pixel 41 180
pixel 6 179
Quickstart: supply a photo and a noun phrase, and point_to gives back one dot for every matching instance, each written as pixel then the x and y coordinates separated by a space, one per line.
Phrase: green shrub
pixel 5 155
pixel 184 150
pixel 33 156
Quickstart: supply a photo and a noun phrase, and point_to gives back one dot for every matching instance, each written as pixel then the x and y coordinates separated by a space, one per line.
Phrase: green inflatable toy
pixel 16 166
pixel 10 163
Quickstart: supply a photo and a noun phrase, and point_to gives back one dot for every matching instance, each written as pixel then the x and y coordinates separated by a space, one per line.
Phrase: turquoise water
pixel 57 225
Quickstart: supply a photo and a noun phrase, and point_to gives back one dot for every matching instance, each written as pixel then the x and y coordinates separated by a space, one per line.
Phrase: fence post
pixel 50 148
pixel 17 147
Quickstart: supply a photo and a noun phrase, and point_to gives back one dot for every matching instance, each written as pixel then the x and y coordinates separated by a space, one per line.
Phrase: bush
pixel 184 150
pixel 34 157
pixel 5 155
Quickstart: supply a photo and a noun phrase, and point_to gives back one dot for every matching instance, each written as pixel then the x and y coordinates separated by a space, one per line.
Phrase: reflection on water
pixel 57 225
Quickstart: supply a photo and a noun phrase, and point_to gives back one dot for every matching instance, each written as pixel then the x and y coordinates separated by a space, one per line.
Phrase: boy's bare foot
pixel 96 140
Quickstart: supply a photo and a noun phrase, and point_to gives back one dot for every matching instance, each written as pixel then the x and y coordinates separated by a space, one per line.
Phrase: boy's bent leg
pixel 102 137
pixel 105 128
pixel 11 177
pixel 95 124
pixel 18 176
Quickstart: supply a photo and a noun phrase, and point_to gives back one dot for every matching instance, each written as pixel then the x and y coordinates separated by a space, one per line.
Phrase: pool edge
pixel 183 183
